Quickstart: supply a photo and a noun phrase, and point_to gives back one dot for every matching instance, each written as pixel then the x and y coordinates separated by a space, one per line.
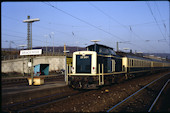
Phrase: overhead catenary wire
pixel 35 26
pixel 84 21
pixel 76 33
pixel 23 37
pixel 155 20
pixel 161 18
pixel 124 26
pixel 166 31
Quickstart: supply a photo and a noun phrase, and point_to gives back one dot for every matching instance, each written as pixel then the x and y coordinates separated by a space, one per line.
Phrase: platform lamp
pixel 117 44
pixel 95 41
pixel 23 56
pixel 126 49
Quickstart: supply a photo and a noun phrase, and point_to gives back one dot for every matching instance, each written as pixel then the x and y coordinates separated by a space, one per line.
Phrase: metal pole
pixel 31 57
pixel 117 43
pixel 31 35
pixel 53 45
pixel 102 75
pixel 46 46
pixel 32 76
pixel 28 40
pixel 65 49
pixel 99 75
pixel 66 77
pixel 23 65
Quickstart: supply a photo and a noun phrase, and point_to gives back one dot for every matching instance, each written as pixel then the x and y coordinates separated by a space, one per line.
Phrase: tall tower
pixel 29 40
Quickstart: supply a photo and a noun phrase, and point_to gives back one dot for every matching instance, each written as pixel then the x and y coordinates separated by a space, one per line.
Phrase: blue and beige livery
pixel 100 65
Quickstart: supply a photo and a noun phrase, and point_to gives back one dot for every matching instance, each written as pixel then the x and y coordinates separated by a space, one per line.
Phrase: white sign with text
pixel 31 52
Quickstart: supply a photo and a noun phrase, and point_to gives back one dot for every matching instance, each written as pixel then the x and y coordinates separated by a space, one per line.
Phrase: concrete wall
pixel 55 63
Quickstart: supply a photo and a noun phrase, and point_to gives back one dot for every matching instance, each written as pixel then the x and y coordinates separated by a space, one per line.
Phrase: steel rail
pixel 135 93
pixel 27 101
pixel 158 96
pixel 50 102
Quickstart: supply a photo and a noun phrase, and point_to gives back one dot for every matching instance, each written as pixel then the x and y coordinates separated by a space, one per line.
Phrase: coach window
pixel 139 63
pixel 142 63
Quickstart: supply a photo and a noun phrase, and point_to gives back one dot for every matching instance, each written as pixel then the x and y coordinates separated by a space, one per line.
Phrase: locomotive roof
pixel 100 46
pixel 123 54
pixel 102 49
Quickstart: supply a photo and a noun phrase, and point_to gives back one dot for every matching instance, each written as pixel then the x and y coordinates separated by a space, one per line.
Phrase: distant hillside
pixel 163 55
pixel 49 49
pixel 71 49
pixel 61 49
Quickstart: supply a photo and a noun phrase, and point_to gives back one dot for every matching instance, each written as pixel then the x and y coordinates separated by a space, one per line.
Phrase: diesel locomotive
pixel 100 65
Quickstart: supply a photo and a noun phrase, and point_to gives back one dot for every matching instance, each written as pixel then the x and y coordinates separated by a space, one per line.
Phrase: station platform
pixel 26 88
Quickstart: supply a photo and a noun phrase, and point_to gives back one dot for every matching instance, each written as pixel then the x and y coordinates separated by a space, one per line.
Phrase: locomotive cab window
pixel 83 64
pixel 101 49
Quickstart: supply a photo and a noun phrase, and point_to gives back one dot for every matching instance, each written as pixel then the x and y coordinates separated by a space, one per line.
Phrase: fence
pixel 10 57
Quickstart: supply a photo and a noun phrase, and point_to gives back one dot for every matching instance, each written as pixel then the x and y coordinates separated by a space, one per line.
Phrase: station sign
pixel 31 52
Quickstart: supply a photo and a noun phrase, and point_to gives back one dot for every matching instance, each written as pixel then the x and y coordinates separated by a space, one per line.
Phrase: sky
pixel 142 26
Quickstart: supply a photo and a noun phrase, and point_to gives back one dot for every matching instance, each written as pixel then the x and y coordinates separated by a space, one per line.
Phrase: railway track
pixel 100 100
pixel 40 101
pixel 143 99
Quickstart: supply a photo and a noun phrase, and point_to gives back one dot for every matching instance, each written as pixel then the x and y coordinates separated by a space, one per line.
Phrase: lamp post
pixel 23 56
pixel 29 38
pixel 126 49
pixel 117 43
pixel 29 29
pixel 53 41
pixel 46 43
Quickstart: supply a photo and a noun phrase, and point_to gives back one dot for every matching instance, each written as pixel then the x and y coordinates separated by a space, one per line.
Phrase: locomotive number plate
pixel 84 57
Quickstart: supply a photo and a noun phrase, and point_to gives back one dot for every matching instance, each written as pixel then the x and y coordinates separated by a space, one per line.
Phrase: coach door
pixel 113 65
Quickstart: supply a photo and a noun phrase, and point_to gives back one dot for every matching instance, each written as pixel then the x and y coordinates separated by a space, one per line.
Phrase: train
pixel 100 65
